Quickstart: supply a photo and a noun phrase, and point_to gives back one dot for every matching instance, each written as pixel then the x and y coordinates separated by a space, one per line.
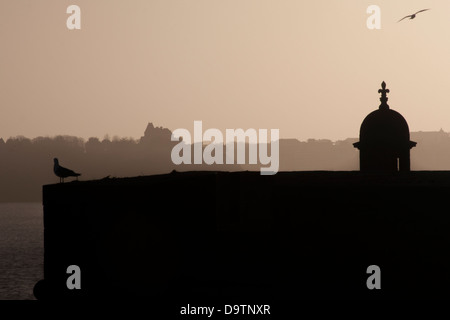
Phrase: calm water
pixel 21 249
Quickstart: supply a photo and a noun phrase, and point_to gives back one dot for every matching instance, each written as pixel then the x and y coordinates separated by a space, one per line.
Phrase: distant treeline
pixel 27 164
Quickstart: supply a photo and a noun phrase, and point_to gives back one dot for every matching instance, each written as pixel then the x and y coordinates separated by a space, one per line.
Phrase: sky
pixel 311 69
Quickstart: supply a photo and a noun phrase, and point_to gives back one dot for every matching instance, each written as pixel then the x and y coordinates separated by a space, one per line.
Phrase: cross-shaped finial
pixel 383 98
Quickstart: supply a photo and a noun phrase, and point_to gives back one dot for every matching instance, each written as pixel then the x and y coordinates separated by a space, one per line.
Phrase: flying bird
pixel 62 172
pixel 412 16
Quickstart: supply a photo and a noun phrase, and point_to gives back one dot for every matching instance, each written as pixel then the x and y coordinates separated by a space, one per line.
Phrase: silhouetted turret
pixel 156 135
pixel 384 139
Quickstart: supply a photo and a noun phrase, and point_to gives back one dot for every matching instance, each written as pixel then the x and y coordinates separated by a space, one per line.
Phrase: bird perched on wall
pixel 62 172
pixel 412 16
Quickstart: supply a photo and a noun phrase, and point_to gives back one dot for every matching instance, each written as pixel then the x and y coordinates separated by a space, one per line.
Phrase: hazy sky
pixel 309 68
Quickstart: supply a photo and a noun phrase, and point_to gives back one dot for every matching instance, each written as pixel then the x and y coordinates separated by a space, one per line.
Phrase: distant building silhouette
pixel 154 134
pixel 384 139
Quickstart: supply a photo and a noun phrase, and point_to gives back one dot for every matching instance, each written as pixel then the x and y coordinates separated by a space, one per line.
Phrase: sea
pixel 21 249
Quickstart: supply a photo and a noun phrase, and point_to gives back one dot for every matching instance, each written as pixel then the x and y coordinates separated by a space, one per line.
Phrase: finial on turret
pixel 384 97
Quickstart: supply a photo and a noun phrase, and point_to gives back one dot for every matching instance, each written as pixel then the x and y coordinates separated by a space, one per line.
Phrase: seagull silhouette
pixel 412 16
pixel 62 172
